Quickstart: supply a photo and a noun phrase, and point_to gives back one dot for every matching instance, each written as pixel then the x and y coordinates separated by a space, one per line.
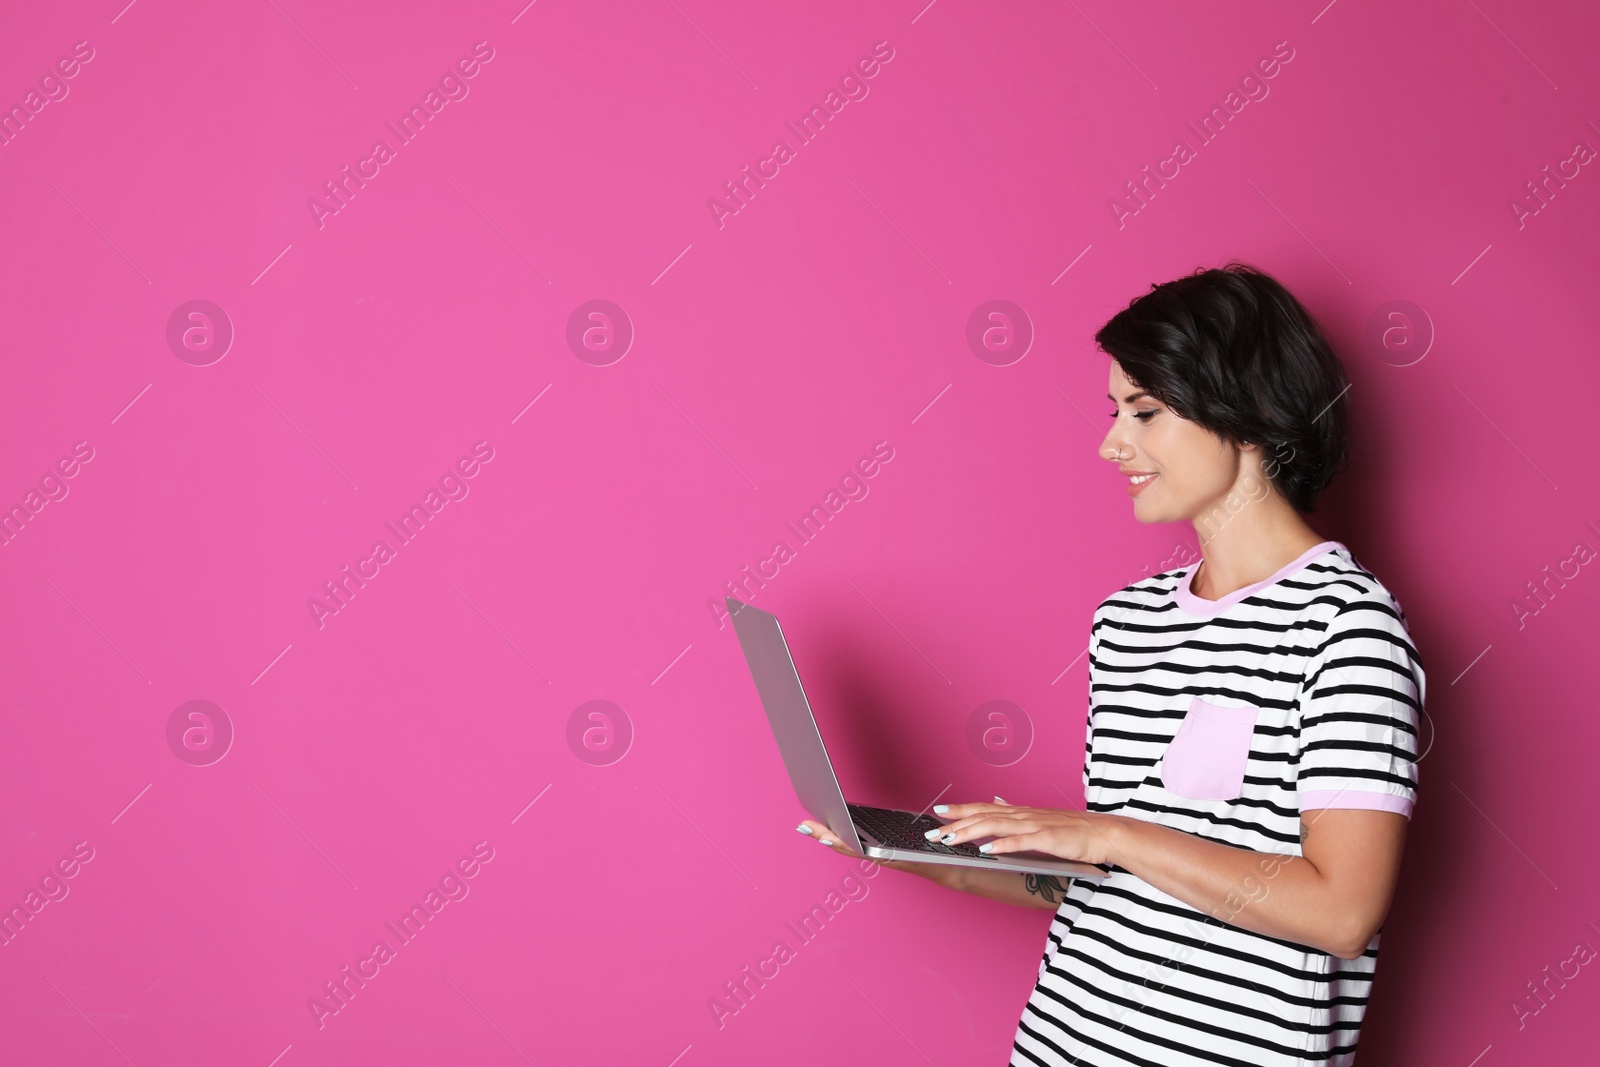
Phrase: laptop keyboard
pixel 901 829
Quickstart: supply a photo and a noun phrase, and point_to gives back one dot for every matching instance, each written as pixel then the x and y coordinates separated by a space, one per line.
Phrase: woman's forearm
pixel 1009 887
pixel 1044 891
pixel 1276 895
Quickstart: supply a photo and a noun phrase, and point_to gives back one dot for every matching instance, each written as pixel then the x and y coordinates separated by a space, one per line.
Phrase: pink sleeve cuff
pixel 1355 798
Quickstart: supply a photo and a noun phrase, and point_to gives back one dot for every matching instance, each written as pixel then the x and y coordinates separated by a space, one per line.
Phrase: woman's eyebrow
pixel 1131 397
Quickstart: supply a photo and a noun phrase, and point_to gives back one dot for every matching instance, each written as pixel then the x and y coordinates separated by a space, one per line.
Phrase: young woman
pixel 1250 763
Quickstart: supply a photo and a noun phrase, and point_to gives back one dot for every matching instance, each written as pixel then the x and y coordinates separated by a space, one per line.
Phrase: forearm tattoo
pixel 1046 886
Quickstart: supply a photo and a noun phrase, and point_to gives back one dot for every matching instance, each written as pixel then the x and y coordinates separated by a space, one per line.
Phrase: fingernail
pixel 827 841
pixel 948 839
pixel 931 834
pixel 941 808
pixel 997 800
pixel 985 848
pixel 803 828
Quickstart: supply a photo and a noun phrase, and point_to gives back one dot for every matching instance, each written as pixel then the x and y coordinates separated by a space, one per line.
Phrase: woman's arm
pixel 1044 891
pixel 1333 897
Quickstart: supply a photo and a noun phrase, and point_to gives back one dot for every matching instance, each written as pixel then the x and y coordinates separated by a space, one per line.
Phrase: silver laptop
pixel 884 833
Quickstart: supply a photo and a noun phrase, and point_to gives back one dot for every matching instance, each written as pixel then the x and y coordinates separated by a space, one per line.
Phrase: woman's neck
pixel 1249 548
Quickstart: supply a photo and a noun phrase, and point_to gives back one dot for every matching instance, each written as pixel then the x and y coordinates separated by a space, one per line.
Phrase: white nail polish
pixel 803 828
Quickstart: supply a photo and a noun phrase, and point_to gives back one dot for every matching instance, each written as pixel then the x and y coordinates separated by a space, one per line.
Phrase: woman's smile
pixel 1137 481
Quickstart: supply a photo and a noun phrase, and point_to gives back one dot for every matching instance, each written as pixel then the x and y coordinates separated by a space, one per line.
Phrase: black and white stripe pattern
pixel 1226 719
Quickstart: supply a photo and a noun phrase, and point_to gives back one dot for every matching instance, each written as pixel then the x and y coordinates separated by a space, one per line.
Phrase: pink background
pixel 770 354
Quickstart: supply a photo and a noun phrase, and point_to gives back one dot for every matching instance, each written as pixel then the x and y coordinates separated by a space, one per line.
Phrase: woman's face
pixel 1194 469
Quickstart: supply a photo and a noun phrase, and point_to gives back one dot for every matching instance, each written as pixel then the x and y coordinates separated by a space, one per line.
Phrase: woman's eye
pixel 1144 416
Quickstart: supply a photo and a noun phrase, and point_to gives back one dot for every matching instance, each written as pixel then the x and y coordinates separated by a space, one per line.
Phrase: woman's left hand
pixel 1068 835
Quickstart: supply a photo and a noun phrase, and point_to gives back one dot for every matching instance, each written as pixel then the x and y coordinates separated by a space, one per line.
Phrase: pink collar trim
pixel 1203 608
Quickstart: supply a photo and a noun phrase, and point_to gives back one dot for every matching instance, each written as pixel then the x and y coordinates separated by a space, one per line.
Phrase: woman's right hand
pixel 820 832
pixel 942 873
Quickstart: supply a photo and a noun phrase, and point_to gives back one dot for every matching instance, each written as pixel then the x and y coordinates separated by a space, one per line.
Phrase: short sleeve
pixel 1360 706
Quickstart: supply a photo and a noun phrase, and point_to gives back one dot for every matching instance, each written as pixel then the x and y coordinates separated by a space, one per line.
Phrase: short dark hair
pixel 1231 349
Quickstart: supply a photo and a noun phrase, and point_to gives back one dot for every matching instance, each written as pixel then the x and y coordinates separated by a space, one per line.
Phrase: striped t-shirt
pixel 1226 719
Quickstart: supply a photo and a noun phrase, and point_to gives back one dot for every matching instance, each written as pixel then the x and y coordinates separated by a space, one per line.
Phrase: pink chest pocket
pixel 1207 758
